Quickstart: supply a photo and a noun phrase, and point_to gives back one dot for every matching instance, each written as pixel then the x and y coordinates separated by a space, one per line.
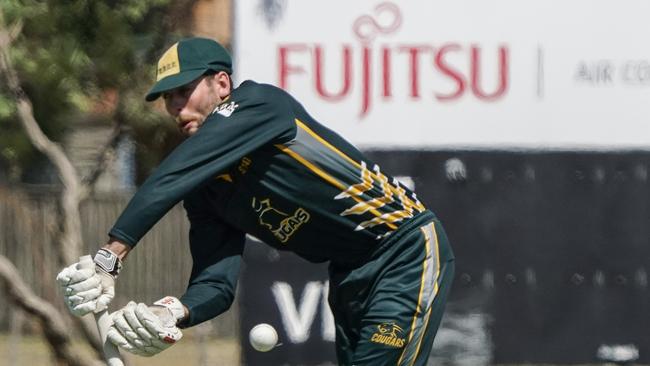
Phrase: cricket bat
pixel 103 320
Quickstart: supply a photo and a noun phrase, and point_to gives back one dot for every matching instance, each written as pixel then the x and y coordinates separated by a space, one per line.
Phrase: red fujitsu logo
pixel 403 58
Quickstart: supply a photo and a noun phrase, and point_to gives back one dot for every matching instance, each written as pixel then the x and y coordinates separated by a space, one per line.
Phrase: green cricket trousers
pixel 387 310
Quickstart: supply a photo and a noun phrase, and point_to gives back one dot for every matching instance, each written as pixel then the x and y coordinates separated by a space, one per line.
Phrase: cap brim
pixel 173 82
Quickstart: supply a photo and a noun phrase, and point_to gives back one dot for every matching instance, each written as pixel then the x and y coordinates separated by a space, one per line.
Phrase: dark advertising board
pixel 552 253
pixel 289 293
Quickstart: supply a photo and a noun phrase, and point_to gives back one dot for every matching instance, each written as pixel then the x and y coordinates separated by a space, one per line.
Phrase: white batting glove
pixel 86 286
pixel 147 330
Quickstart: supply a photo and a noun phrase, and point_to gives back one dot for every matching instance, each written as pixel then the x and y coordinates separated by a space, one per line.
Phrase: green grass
pixel 33 350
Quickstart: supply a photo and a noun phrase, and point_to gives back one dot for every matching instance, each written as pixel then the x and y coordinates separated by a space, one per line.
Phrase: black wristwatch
pixel 108 262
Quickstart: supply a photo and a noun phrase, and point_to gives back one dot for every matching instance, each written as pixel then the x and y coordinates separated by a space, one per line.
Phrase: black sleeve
pixel 257 118
pixel 216 249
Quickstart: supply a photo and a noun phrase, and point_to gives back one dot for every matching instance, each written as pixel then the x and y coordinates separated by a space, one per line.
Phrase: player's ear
pixel 223 83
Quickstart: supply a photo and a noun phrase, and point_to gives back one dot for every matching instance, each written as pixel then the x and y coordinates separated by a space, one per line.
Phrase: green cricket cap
pixel 186 61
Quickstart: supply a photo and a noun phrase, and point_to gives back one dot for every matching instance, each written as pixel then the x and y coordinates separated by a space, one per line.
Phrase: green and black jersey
pixel 261 165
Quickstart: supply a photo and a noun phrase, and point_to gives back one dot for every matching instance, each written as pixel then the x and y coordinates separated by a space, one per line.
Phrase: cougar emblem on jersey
pixel 282 225
pixel 389 334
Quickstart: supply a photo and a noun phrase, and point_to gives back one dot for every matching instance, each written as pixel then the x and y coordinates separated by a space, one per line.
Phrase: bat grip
pixel 111 353
pixel 103 320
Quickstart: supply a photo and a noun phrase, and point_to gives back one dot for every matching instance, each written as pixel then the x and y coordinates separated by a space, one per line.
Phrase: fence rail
pixel 160 265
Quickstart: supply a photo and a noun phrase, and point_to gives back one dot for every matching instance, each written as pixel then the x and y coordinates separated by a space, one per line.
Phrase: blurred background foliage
pixel 88 61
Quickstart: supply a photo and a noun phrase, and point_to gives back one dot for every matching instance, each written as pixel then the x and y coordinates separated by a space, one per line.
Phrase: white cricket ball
pixel 263 337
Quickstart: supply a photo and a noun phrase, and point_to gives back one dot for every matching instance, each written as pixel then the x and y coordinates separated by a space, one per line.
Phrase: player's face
pixel 191 103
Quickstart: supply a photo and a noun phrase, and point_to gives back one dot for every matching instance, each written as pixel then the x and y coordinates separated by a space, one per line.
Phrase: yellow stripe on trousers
pixel 428 292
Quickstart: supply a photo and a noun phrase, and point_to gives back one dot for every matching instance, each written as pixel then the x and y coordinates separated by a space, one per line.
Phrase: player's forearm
pixel 211 290
pixel 203 303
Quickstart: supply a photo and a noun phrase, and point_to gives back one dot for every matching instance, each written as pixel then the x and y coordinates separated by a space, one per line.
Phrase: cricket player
pixel 256 162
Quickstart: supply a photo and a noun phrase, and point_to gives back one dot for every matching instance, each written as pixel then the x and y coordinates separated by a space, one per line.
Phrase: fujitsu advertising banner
pixel 458 74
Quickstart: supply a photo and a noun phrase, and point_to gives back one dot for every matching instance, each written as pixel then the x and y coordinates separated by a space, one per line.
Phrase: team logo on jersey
pixel 389 334
pixel 282 225
pixel 226 109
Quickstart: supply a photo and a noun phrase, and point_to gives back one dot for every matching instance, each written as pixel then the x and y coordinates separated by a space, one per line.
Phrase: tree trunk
pixel 54 328
pixel 68 240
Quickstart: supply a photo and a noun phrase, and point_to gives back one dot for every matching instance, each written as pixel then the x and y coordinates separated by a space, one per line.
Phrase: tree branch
pixel 72 190
pixel 15 29
pixel 105 156
pixel 68 242
pixel 51 320
pixel 52 150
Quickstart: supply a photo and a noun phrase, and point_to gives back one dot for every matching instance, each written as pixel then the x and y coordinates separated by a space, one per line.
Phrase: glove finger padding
pixel 80 287
pixel 86 287
pixel 140 331
pixel 90 283
pixel 128 327
pixel 145 338
pixel 84 297
pixel 115 337
pixel 72 275
pixel 163 325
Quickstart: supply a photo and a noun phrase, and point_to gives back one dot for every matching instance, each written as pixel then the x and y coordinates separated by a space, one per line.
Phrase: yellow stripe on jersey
pixel 386 218
pixel 330 146
pixel 366 185
pixel 227 177
pixel 333 181
pixel 359 188
pixel 407 200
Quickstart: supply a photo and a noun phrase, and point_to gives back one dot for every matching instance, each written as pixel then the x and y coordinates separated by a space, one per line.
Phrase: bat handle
pixel 103 320
pixel 111 353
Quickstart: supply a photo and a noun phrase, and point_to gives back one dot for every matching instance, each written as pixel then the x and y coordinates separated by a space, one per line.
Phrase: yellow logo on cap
pixel 168 63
